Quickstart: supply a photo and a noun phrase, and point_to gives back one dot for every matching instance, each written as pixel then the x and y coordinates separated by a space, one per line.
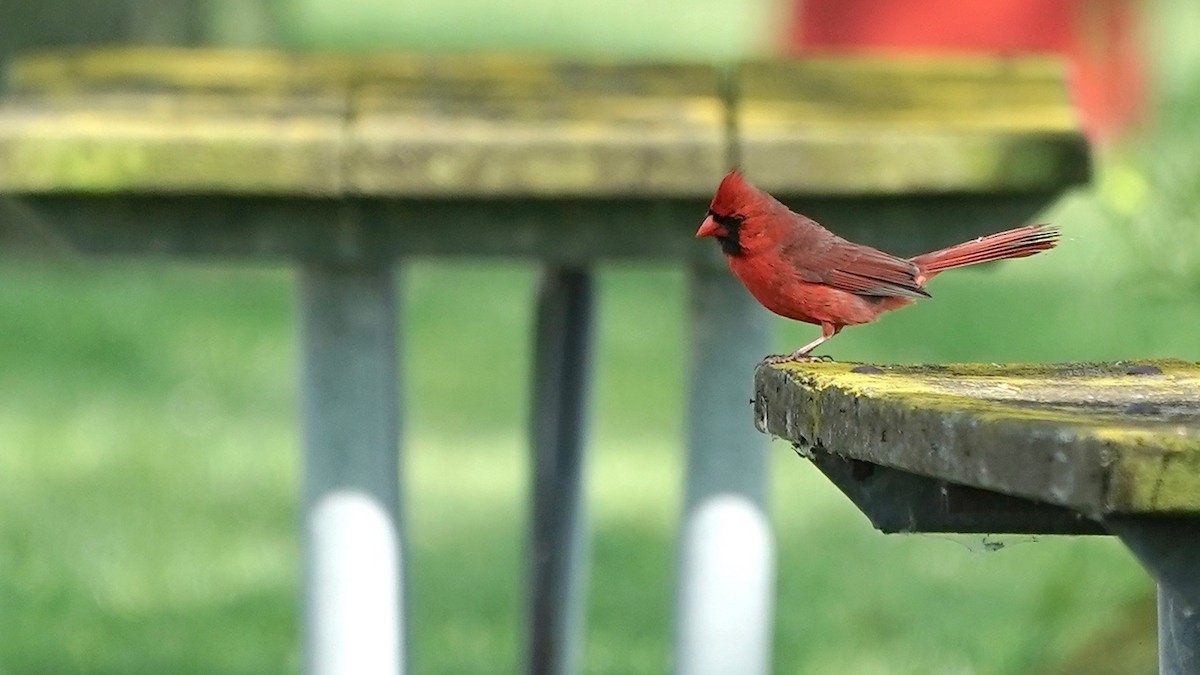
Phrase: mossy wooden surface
pixel 171 120
pixel 1101 438
pixel 553 142
pixel 162 120
pixel 157 143
pixel 257 71
pixel 870 125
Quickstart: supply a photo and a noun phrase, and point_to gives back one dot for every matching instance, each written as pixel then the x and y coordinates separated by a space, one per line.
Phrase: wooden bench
pixel 1085 448
pixel 348 165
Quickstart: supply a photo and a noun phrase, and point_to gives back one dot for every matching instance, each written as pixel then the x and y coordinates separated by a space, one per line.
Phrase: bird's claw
pixel 776 359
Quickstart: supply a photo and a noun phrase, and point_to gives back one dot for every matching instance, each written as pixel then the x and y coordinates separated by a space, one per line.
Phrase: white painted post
pixel 354 588
pixel 727 557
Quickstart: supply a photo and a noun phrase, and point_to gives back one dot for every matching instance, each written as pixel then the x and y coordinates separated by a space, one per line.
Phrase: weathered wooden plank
pixel 869 125
pixel 1098 438
pixel 511 127
pixel 170 120
pixel 166 144
pixel 501 76
pixel 539 147
pixel 401 73
pixel 177 70
pixel 421 125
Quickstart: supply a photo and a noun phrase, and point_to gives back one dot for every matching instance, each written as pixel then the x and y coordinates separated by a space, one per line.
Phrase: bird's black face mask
pixel 730 241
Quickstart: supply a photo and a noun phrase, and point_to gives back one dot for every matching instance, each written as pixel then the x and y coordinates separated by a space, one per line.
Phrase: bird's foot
pixel 776 359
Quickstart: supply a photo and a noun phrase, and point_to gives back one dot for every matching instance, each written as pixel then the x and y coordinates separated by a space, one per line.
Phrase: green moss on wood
pixel 116 149
pixel 412 75
pixel 408 124
pixel 1089 435
pixel 168 120
pixel 849 126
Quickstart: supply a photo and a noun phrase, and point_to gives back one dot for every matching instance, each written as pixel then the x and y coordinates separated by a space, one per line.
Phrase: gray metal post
pixel 1178 635
pixel 558 555
pixel 727 559
pixel 354 533
pixel 1169 549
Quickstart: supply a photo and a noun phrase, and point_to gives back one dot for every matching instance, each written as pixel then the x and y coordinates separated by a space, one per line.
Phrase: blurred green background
pixel 148 432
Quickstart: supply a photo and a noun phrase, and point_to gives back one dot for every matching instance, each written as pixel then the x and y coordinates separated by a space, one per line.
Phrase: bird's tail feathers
pixel 1017 243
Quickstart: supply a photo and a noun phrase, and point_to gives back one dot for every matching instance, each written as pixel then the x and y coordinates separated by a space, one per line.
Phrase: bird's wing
pixel 861 270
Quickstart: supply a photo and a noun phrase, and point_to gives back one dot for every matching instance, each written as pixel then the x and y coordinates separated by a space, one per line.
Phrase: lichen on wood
pixel 1102 438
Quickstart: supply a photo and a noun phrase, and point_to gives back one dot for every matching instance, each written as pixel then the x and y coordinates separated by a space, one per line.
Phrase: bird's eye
pixel 728 222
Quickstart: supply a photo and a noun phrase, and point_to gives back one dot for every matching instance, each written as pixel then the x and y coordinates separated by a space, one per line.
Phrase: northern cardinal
pixel 801 271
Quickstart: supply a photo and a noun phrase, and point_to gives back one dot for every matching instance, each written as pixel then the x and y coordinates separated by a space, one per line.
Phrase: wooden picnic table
pixel 1080 448
pixel 347 166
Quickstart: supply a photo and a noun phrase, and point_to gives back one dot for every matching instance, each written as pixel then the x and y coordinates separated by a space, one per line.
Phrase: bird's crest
pixel 736 196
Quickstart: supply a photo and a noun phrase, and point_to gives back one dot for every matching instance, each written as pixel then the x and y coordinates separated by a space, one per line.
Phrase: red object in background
pixel 1099 37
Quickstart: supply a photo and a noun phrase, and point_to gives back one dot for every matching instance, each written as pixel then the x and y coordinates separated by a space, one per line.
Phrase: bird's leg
pixel 828 330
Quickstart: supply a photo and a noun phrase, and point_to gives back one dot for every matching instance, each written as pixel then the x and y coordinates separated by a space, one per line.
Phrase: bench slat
pixel 869 125
pixel 251 122
pixel 554 145
pixel 164 144
pixel 255 71
pixel 163 120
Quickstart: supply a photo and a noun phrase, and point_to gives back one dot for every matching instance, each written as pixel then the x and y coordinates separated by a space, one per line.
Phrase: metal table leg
pixel 558 555
pixel 1178 635
pixel 354 587
pixel 727 569
pixel 1169 549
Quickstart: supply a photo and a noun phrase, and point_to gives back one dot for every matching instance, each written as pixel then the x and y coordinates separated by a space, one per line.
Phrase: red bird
pixel 801 271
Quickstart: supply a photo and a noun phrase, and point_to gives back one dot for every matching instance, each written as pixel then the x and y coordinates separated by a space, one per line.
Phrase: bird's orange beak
pixel 709 228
